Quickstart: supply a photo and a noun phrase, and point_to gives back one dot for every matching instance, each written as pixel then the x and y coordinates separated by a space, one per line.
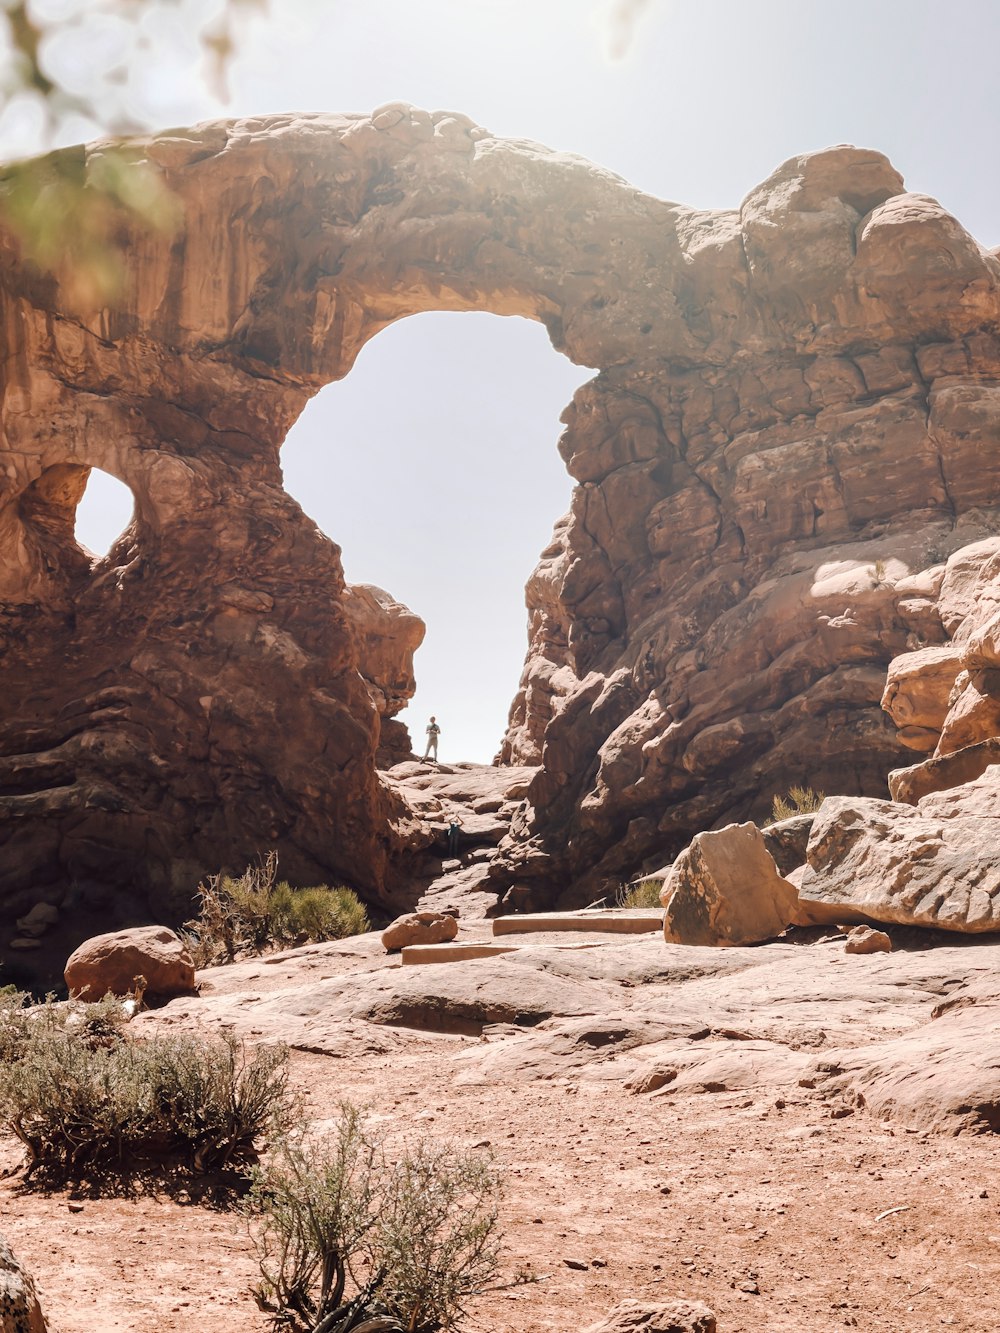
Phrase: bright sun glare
pixel 104 512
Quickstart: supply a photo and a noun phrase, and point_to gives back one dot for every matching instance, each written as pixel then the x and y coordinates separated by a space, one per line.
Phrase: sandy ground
pixel 782 1212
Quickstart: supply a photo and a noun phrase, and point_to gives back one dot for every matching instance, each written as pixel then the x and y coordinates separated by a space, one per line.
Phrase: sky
pixel 434 464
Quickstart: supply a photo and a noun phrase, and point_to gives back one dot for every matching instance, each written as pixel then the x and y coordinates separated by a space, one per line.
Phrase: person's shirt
pixel 433 729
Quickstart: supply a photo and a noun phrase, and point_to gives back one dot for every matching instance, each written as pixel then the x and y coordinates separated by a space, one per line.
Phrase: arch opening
pixel 103 512
pixel 434 466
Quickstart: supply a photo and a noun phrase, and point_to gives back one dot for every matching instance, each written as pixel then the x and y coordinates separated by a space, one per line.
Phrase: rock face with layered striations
pixel 387 634
pixel 953 692
pixel 790 429
pixel 929 857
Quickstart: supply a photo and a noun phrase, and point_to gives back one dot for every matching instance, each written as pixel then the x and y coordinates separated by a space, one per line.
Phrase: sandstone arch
pixel 791 396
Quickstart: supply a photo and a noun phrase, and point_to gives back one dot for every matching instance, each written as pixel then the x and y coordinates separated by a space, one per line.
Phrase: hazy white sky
pixel 434 464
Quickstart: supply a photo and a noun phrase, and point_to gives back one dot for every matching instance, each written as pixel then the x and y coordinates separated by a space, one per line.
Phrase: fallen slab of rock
pixel 724 888
pixel 110 964
pixel 602 921
pixel 20 1311
pixel 881 861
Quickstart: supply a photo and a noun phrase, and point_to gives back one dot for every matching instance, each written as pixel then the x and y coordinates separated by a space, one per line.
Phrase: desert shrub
pixel 253 912
pixel 23 1024
pixel 878 572
pixel 344 1234
pixel 313 1202
pixel 316 914
pixel 800 801
pixel 13 1022
pixel 435 1237
pixel 644 893
pixel 90 1102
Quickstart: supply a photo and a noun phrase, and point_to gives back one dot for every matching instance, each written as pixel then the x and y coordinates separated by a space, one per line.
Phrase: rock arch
pixel 790 396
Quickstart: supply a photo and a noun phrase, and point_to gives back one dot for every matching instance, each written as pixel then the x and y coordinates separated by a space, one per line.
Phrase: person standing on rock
pixel 454 833
pixel 433 732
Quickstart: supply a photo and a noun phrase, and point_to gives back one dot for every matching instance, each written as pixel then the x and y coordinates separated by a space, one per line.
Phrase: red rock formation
pixel 147 958
pixel 387 634
pixel 758 519
pixel 953 694
pixel 790 414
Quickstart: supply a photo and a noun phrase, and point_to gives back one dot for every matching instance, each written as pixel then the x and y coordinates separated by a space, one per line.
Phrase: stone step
pixel 606 921
pixel 457 951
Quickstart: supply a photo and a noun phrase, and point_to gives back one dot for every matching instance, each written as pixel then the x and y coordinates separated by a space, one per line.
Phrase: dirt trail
pixel 770 1203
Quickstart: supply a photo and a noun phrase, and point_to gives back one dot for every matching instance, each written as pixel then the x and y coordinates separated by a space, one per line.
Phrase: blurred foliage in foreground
pixel 65 212
pixel 72 66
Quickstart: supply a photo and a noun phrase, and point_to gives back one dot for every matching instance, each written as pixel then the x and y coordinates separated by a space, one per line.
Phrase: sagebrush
pixel 799 801
pixel 92 1103
pixel 644 893
pixel 345 1232
pixel 254 912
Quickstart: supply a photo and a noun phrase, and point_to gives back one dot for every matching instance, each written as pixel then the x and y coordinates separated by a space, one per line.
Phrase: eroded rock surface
pixel 790 430
pixel 659 1317
pixel 387 634
pixel 665 1021
pixel 20 1311
pixel 150 959
pixel 725 889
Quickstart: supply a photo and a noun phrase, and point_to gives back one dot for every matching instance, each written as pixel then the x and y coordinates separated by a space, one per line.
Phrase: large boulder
pixel 109 964
pixel 20 1311
pixel 725 889
pixel 419 928
pixel 675 1316
pixel 934 864
pixel 862 940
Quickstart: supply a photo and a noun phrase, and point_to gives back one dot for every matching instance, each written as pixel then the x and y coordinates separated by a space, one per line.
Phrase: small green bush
pixel 878 573
pixel 317 914
pixel 800 801
pixel 24 1025
pixel 645 893
pixel 435 1236
pixel 345 1234
pixel 252 913
pixel 92 1103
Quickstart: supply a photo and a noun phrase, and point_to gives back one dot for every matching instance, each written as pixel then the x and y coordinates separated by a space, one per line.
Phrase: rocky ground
pixel 797 1136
